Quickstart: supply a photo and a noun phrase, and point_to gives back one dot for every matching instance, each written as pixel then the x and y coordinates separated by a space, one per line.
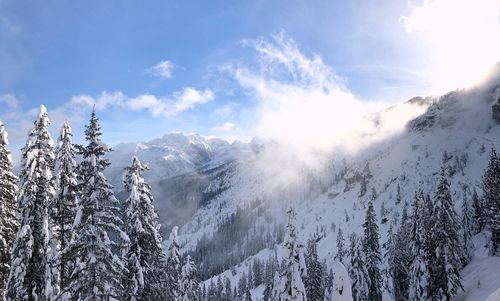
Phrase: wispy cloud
pixel 102 102
pixel 300 99
pixel 181 101
pixel 226 110
pixel 225 127
pixel 163 69
pixel 304 106
pixel 10 101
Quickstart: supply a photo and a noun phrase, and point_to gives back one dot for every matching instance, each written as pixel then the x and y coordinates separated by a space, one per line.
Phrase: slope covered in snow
pixel 480 276
pixel 457 130
pixel 230 199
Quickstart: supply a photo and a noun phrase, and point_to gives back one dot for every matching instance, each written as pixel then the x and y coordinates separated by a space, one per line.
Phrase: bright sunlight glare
pixel 463 37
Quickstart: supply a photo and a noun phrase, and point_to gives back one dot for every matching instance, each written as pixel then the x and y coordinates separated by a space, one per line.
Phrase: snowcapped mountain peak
pixel 173 154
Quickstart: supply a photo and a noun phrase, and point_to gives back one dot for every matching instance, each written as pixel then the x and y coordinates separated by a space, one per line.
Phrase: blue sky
pixel 153 67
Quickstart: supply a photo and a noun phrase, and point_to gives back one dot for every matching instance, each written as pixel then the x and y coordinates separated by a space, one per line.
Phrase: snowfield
pixel 480 277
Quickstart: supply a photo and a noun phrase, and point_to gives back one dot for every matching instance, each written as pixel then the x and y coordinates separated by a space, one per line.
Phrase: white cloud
pixel 149 102
pixel 226 110
pixel 461 37
pixel 101 102
pixel 162 69
pixel 183 100
pixel 189 97
pixel 300 99
pixel 226 127
pixel 304 106
pixel 10 101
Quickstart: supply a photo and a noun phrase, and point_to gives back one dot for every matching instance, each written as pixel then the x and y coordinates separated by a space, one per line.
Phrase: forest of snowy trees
pixel 65 236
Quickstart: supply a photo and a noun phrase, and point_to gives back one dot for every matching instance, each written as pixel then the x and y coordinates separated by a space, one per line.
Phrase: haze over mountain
pixel 199 182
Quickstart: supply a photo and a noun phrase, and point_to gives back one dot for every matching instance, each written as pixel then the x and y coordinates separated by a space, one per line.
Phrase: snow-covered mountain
pixel 178 165
pixel 174 154
pixel 246 188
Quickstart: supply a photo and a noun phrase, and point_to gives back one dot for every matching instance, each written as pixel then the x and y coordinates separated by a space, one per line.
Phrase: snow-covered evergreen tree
pixel 371 248
pixel 247 295
pixel 388 258
pixel 97 231
pixel 491 195
pixel 144 258
pixel 268 288
pixel 63 209
pixel 444 267
pixel 467 230
pixel 341 251
pixel 228 293
pixel 341 284
pixel 401 259
pixel 313 281
pixel 477 212
pixel 189 287
pixel 257 272
pixel 327 283
pixel 418 274
pixel 173 268
pixel 8 206
pixel 242 288
pixel 399 195
pixel 383 213
pixel 250 277
pixel 358 270
pixel 30 275
pixel 288 283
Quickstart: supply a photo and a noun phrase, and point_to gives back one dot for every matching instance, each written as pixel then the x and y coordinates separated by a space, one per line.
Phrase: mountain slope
pixel 181 166
pixel 457 130
pixel 230 199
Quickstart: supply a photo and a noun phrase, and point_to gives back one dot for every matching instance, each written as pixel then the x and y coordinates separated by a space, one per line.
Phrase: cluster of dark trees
pixel 64 235
pixel 259 272
pixel 238 236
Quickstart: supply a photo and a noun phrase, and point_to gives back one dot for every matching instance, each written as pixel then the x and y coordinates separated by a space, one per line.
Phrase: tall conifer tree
pixel 341 252
pixel 444 267
pixel 313 281
pixel 98 236
pixel 491 195
pixel 63 209
pixel 8 206
pixel 189 287
pixel 371 248
pixel 418 274
pixel 288 284
pixel 467 228
pixel 30 275
pixel 401 259
pixel 173 266
pixel 144 257
pixel 358 269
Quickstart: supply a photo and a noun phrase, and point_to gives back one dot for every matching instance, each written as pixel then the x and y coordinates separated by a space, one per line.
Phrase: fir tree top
pixel 95 148
pixel 3 135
